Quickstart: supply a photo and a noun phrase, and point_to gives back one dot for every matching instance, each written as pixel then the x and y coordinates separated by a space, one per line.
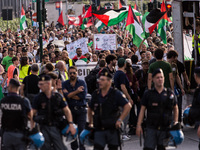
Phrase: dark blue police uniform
pixel 106 113
pixel 77 107
pixel 50 116
pixel 159 116
pixel 14 121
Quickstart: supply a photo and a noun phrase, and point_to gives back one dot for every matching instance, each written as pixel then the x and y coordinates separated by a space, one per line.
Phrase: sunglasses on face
pixel 72 73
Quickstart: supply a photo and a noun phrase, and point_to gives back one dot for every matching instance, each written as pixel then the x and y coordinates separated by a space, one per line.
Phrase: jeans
pixel 79 118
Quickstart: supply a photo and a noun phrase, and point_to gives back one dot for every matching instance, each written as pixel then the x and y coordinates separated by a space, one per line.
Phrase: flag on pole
pixel 121 4
pixel 87 14
pixel 162 24
pixel 138 17
pixel 60 19
pixel 150 20
pixel 99 25
pixel 23 25
pixel 111 17
pixel 134 28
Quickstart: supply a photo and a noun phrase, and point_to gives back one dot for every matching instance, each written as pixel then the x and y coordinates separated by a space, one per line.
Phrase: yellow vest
pixel 23 72
pixel 198 43
pixel 66 75
pixel 70 62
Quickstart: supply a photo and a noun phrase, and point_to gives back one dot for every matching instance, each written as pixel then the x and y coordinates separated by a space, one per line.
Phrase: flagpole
pixel 66 13
pixel 115 32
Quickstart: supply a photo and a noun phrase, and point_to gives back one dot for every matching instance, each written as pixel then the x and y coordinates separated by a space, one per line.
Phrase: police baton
pixel 140 139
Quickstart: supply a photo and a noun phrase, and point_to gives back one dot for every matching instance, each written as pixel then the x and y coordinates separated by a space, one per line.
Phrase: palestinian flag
pixel 150 21
pixel 111 17
pixel 60 19
pixel 162 24
pixel 138 17
pixel 99 25
pixel 23 25
pixel 134 28
pixel 88 14
pixel 121 4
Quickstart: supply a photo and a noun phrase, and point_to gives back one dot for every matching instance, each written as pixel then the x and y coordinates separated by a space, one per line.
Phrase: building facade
pixel 15 5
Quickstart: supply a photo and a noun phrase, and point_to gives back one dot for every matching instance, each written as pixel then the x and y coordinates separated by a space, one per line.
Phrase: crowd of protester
pixel 130 66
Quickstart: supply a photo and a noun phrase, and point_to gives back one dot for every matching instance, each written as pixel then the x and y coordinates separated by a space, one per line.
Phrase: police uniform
pixel 159 117
pixel 106 113
pixel 50 117
pixel 14 120
pixel 195 108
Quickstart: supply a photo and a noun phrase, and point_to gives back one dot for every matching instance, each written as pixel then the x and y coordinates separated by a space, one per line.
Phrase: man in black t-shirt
pixel 30 84
pixel 111 61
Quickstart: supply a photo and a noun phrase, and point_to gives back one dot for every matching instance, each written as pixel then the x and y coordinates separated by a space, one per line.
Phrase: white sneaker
pixel 125 138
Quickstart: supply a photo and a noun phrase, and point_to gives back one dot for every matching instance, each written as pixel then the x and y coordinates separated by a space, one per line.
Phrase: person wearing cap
pixel 49 108
pixel 29 86
pixel 159 102
pixel 16 111
pixel 7 61
pixel 195 107
pixel 104 114
pixel 75 91
pixel 121 82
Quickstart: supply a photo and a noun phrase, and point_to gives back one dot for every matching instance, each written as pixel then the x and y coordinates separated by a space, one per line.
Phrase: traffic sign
pixel 34 17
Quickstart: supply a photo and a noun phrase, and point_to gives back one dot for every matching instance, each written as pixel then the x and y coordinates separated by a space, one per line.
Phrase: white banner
pixel 81 43
pixel 105 42
pixel 84 68
pixel 187 41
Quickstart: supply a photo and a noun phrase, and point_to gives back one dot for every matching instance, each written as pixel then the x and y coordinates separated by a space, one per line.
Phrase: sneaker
pixel 125 138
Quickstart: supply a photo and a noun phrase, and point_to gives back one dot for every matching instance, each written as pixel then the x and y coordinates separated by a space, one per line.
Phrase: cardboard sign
pixel 81 43
pixel 105 42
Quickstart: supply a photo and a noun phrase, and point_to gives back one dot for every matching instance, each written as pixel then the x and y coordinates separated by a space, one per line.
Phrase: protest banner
pixel 81 43
pixel 105 42
pixel 84 69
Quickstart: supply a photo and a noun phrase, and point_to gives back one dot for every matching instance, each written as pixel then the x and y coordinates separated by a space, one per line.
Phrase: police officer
pixel 195 108
pixel 75 91
pixel 159 102
pixel 49 108
pixel 107 120
pixel 15 113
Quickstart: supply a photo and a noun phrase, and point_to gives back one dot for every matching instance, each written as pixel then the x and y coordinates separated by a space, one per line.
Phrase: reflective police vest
pixel 159 112
pixel 11 69
pixel 14 116
pixel 106 113
pixel 23 72
pixel 198 43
